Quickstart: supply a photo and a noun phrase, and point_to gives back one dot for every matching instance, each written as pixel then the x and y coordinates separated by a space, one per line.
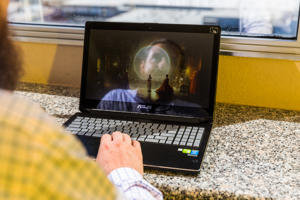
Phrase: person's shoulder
pixel 19 111
pixel 118 93
pixel 110 95
pixel 15 105
pixel 19 116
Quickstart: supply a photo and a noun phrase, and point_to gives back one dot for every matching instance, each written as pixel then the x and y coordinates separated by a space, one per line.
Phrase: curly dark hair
pixel 10 61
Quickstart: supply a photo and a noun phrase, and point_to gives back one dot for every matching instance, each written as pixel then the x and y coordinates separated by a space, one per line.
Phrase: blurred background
pixel 254 18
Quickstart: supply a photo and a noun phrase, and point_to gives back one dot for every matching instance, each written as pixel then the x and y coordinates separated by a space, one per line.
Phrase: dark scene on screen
pixel 154 72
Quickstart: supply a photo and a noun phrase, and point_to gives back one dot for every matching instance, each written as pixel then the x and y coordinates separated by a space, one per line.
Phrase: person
pixel 255 18
pixel 40 160
pixel 165 90
pixel 152 69
pixel 268 17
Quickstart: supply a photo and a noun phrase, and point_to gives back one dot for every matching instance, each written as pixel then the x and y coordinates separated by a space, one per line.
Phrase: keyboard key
pixel 199 136
pixel 147 133
pixel 144 136
pixel 76 122
pixel 141 139
pixel 197 143
pixel 151 140
pixel 172 132
pixel 74 126
pixel 162 141
pixel 162 126
pixel 154 126
pixel 143 132
pixel 90 132
pixel 97 134
pixel 167 134
pixel 81 133
pixel 160 137
pixel 92 120
pixel 170 140
pixel 189 144
pixel 193 133
pixel 169 127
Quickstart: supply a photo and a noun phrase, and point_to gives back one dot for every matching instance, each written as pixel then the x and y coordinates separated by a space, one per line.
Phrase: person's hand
pixel 118 150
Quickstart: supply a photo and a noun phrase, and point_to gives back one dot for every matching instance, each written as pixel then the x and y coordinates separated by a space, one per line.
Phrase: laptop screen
pixel 153 72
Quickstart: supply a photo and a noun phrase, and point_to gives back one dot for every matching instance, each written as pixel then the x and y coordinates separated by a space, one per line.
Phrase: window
pixel 267 19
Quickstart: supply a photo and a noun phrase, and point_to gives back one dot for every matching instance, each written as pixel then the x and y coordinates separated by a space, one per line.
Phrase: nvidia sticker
pixel 189 152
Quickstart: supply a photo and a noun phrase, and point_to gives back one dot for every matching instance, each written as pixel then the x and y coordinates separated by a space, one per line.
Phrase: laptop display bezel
pixel 85 105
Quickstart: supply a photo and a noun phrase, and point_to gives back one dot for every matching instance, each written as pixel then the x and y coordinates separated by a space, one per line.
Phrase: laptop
pixel 155 82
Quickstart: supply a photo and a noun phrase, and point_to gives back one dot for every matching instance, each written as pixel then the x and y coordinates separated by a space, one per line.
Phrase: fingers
pixel 136 144
pixel 106 138
pixel 117 137
pixel 126 138
pixel 121 137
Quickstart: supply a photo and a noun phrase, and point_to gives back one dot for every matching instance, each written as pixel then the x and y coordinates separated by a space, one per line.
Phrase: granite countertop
pixel 253 153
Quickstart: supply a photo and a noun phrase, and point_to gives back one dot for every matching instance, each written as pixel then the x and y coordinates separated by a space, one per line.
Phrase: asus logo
pixel 144 107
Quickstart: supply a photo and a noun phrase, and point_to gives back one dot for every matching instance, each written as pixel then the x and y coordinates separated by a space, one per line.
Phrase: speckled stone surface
pixel 253 153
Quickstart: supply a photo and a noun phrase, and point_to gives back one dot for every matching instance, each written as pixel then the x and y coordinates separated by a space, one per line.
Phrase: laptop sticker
pixel 189 152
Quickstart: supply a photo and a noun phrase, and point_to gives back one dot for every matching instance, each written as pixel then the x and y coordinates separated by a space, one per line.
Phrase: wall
pixel 249 81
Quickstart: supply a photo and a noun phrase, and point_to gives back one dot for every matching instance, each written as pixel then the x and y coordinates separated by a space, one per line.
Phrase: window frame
pixel 230 45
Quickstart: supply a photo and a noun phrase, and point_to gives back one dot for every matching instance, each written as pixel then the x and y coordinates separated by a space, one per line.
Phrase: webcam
pixel 214 30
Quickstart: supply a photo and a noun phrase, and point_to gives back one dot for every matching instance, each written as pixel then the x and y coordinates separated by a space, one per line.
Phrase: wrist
pixel 124 174
pixel 129 180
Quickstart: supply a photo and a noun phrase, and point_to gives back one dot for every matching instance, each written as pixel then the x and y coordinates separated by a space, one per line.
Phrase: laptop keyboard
pixel 141 131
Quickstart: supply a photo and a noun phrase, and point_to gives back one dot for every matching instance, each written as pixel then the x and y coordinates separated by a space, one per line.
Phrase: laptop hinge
pixel 148 117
